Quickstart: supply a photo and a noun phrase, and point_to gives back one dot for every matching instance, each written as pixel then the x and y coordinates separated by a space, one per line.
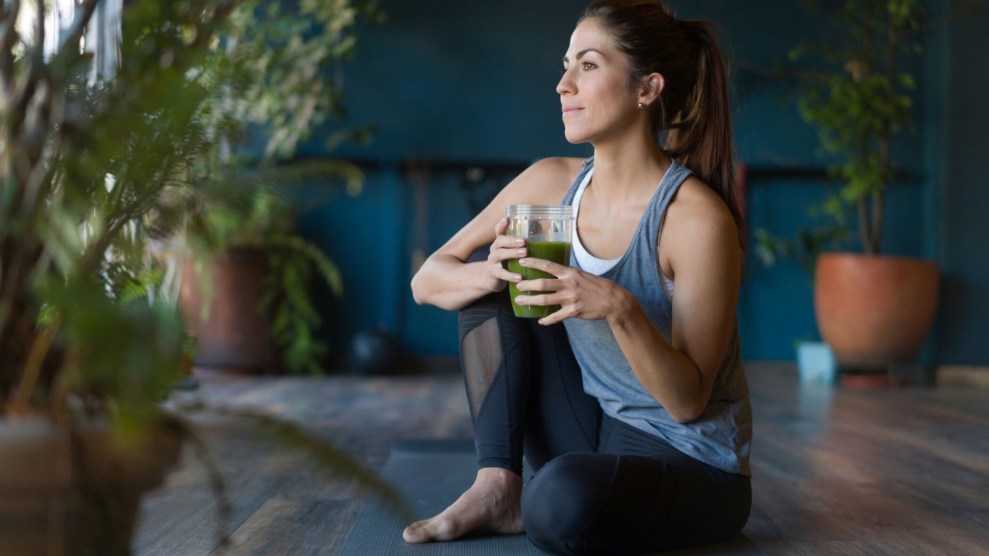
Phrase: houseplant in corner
pixel 90 170
pixel 280 60
pixel 873 310
pixel 248 293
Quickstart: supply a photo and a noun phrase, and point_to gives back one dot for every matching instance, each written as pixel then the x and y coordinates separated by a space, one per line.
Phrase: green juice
pixel 556 251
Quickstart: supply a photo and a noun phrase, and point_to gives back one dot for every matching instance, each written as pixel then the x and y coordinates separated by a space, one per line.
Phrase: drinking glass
pixel 548 231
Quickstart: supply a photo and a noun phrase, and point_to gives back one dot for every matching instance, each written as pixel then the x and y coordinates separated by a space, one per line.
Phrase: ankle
pixel 499 476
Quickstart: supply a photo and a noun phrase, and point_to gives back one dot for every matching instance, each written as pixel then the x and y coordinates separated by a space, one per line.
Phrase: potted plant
pixel 249 295
pixel 85 164
pixel 91 168
pixel 873 310
pixel 279 59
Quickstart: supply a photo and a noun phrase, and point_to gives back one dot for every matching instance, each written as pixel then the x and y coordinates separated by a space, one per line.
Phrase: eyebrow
pixel 582 52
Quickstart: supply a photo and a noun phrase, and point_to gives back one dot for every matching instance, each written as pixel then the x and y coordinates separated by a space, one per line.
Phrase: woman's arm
pixel 700 241
pixel 448 281
pixel 700 244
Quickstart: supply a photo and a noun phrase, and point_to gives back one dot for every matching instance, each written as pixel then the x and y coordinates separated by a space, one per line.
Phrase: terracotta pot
pixel 874 310
pixel 75 495
pixel 235 334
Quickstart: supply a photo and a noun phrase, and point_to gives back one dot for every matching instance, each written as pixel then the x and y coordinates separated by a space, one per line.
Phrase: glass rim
pixel 561 210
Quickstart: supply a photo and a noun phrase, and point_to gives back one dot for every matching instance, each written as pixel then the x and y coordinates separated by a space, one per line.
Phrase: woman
pixel 635 413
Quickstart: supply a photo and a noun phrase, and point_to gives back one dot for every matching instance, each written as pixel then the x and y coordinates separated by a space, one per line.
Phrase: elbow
pixel 688 413
pixel 418 293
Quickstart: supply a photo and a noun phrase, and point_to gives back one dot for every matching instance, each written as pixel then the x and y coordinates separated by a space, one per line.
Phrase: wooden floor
pixel 836 471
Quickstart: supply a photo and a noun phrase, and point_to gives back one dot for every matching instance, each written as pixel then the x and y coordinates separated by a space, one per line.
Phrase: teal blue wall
pixel 454 84
pixel 960 171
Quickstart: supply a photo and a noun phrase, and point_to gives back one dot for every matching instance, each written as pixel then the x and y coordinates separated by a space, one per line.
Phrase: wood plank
pixel 294 526
pixel 904 471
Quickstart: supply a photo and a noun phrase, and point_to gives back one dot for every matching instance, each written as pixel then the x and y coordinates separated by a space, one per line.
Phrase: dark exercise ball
pixel 374 352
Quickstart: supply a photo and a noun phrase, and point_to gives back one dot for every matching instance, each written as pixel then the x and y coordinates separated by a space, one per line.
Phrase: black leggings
pixel 601 486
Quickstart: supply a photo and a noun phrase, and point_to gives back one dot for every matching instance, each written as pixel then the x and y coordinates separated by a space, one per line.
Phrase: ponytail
pixel 700 135
pixel 692 117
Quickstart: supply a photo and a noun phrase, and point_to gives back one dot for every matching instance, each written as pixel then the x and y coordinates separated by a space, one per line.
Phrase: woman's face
pixel 597 101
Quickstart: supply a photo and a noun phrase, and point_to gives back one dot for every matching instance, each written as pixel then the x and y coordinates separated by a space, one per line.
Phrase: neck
pixel 625 167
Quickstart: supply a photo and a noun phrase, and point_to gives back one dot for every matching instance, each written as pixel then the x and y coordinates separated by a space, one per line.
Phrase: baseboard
pixel 962 376
pixel 397 365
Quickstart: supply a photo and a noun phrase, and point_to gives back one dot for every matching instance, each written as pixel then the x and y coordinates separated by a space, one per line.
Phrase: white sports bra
pixel 589 262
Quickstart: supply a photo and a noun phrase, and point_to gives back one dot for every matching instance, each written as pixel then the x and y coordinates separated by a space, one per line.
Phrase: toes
pixel 446 529
pixel 416 533
pixel 435 529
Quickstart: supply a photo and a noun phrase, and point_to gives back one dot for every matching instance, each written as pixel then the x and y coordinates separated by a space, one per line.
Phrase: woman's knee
pixel 560 504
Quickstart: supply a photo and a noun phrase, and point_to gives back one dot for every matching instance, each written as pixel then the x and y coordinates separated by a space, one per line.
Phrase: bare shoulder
pixel 698 206
pixel 698 223
pixel 545 181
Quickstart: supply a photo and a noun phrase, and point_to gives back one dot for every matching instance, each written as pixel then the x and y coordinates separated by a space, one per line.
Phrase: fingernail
pixel 517 278
pixel 523 262
pixel 521 252
pixel 520 241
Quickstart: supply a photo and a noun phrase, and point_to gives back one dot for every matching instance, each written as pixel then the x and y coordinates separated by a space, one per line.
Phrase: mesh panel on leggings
pixel 481 356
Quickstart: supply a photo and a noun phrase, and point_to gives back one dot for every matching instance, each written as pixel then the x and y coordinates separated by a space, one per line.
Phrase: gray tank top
pixel 722 435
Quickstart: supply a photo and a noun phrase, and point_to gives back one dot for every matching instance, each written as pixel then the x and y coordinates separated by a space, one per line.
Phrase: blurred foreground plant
pixel 95 173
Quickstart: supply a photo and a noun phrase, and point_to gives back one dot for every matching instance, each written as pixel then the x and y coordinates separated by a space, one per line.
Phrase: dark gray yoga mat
pixel 430 474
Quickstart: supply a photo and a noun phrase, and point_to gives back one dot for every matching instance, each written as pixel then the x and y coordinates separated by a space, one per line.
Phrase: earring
pixel 641 106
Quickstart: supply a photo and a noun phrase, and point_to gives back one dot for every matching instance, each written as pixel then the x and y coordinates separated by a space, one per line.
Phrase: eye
pixel 587 66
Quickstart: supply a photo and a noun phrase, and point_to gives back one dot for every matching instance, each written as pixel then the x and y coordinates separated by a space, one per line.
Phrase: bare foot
pixel 490 504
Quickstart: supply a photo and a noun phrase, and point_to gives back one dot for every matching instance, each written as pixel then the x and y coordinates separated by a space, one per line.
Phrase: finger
pixel 555 317
pixel 542 264
pixel 504 242
pixel 547 321
pixel 540 299
pixel 504 249
pixel 540 285
pixel 502 273
pixel 508 253
pixel 501 226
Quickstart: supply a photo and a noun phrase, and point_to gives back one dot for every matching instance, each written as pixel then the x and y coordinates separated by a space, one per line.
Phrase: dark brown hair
pixel 692 119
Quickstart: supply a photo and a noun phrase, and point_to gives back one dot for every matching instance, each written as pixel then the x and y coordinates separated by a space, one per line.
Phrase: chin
pixel 574 138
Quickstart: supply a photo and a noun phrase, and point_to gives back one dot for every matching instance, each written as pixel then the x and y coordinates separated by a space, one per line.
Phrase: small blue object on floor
pixel 816 363
pixel 431 474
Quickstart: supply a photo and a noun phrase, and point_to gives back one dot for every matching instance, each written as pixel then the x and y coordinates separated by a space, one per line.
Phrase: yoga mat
pixel 431 474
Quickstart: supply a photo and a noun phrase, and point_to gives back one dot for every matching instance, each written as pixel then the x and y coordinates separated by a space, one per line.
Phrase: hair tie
pixel 697 29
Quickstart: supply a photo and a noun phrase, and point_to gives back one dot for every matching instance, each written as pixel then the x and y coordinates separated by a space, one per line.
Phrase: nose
pixel 566 84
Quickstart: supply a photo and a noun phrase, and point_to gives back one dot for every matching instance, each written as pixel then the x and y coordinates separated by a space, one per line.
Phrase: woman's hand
pixel 579 294
pixel 503 249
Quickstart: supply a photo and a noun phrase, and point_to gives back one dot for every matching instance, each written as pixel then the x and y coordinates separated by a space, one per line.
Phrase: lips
pixel 571 109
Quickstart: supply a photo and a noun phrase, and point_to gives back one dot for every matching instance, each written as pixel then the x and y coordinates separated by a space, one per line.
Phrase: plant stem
pixel 32 368
pixel 885 137
pixel 865 234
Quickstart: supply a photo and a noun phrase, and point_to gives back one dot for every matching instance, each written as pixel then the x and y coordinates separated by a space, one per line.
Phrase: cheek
pixel 612 96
